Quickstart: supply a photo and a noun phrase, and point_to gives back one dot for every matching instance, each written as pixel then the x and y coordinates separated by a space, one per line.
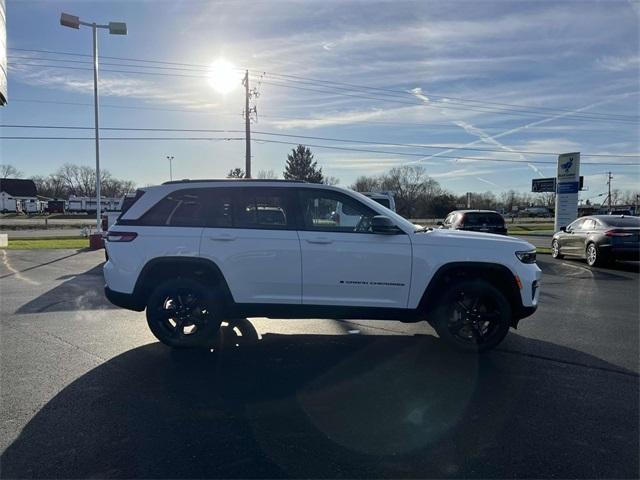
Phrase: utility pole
pixel 247 126
pixel 609 177
pixel 170 158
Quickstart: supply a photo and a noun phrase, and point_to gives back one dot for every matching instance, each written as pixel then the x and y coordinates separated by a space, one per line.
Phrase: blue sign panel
pixel 568 187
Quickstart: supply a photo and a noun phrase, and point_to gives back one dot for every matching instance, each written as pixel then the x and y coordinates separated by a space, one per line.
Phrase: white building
pixel 16 193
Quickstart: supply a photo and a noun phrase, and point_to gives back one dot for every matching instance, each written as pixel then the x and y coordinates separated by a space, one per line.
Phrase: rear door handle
pixel 321 240
pixel 223 237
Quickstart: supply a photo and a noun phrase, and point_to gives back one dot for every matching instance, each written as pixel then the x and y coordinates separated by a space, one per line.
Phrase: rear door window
pixel 263 208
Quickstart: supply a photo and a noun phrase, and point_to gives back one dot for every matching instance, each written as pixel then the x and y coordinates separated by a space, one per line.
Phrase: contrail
pixel 419 95
pixel 489 182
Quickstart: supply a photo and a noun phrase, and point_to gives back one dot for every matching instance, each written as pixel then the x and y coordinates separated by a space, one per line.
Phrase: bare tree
pixel 267 175
pixel 331 180
pixel 9 171
pixel 366 184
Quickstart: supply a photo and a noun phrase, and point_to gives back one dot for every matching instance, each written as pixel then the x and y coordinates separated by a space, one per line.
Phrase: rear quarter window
pixel 632 222
pixel 182 208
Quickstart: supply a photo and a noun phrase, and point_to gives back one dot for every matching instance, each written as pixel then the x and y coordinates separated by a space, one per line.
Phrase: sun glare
pixel 223 76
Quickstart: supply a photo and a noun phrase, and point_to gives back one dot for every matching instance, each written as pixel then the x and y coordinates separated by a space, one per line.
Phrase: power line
pixel 121 138
pixel 136 72
pixel 103 105
pixel 329 86
pixel 446 103
pixel 327 90
pixel 438 105
pixel 355 122
pixel 331 147
pixel 447 99
pixel 387 91
pixel 310 137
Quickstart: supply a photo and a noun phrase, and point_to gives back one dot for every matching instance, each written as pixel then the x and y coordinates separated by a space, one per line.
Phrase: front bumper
pixel 123 300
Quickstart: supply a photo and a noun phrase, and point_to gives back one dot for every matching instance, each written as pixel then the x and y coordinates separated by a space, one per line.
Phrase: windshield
pixel 480 219
pixel 383 201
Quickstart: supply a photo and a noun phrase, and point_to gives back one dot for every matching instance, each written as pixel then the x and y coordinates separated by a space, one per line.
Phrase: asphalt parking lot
pixel 86 391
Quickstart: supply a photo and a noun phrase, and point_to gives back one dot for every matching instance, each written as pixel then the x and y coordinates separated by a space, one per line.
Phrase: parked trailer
pixel 55 206
pixel 32 206
pixel 89 204
pixel 8 203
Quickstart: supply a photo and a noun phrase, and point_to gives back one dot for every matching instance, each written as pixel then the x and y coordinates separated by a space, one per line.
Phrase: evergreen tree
pixel 236 173
pixel 301 166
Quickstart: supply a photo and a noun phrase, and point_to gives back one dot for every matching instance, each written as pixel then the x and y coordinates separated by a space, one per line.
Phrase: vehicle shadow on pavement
pixel 333 406
pixel 618 266
pixel 79 292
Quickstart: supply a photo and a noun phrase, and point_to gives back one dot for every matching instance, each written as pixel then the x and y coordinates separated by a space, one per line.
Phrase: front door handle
pixel 223 237
pixel 321 240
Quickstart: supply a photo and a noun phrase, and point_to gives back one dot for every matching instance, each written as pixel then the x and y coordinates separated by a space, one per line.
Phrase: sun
pixel 223 76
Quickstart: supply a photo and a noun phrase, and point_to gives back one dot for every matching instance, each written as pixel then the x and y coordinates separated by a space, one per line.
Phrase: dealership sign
pixel 567 186
pixel 541 185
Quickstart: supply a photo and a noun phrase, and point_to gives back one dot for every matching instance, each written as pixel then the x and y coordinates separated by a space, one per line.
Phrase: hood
pixel 465 238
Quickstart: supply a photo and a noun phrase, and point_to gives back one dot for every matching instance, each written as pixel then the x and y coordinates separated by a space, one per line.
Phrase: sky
pixel 500 76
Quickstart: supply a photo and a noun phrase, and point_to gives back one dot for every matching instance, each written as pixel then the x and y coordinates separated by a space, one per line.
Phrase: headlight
pixel 528 256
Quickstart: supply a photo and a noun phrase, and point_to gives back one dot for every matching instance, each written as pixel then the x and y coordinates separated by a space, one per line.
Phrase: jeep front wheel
pixel 183 313
pixel 472 316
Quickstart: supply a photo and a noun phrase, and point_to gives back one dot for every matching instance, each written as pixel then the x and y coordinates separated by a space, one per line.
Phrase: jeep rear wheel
pixel 183 313
pixel 472 316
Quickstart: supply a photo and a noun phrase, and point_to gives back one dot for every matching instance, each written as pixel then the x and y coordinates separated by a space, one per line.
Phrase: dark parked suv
pixel 600 239
pixel 475 220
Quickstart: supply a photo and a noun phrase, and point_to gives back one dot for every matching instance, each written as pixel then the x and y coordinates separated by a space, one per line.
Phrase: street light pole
pixel 115 28
pixel 94 27
pixel 170 158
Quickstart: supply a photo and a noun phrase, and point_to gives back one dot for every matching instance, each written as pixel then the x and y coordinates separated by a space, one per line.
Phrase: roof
pixel 607 217
pixel 203 180
pixel 18 187
pixel 474 211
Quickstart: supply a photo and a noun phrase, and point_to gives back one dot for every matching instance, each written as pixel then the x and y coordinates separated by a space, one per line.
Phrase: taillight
pixel 618 233
pixel 121 236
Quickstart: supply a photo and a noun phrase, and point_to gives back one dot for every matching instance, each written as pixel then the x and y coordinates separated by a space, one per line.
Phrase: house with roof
pixel 18 195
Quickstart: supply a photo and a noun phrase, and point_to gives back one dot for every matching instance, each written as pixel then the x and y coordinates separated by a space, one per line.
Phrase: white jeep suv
pixel 196 252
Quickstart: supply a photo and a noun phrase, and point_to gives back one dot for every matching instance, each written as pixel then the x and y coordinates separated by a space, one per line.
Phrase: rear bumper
pixel 625 253
pixel 123 300
pixel 526 312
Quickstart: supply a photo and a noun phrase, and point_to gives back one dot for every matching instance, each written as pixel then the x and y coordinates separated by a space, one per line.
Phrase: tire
pixel 472 316
pixel 555 250
pixel 184 313
pixel 595 257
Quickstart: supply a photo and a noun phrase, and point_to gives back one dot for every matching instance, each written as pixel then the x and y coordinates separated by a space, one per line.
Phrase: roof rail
pixel 197 180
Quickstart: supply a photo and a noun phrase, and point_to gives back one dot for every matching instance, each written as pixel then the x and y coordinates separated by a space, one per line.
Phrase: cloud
pixel 111 85
pixel 619 63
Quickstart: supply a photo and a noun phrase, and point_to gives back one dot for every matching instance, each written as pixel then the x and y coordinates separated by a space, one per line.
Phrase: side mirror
pixel 383 225
pixel 563 229
pixel 440 224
